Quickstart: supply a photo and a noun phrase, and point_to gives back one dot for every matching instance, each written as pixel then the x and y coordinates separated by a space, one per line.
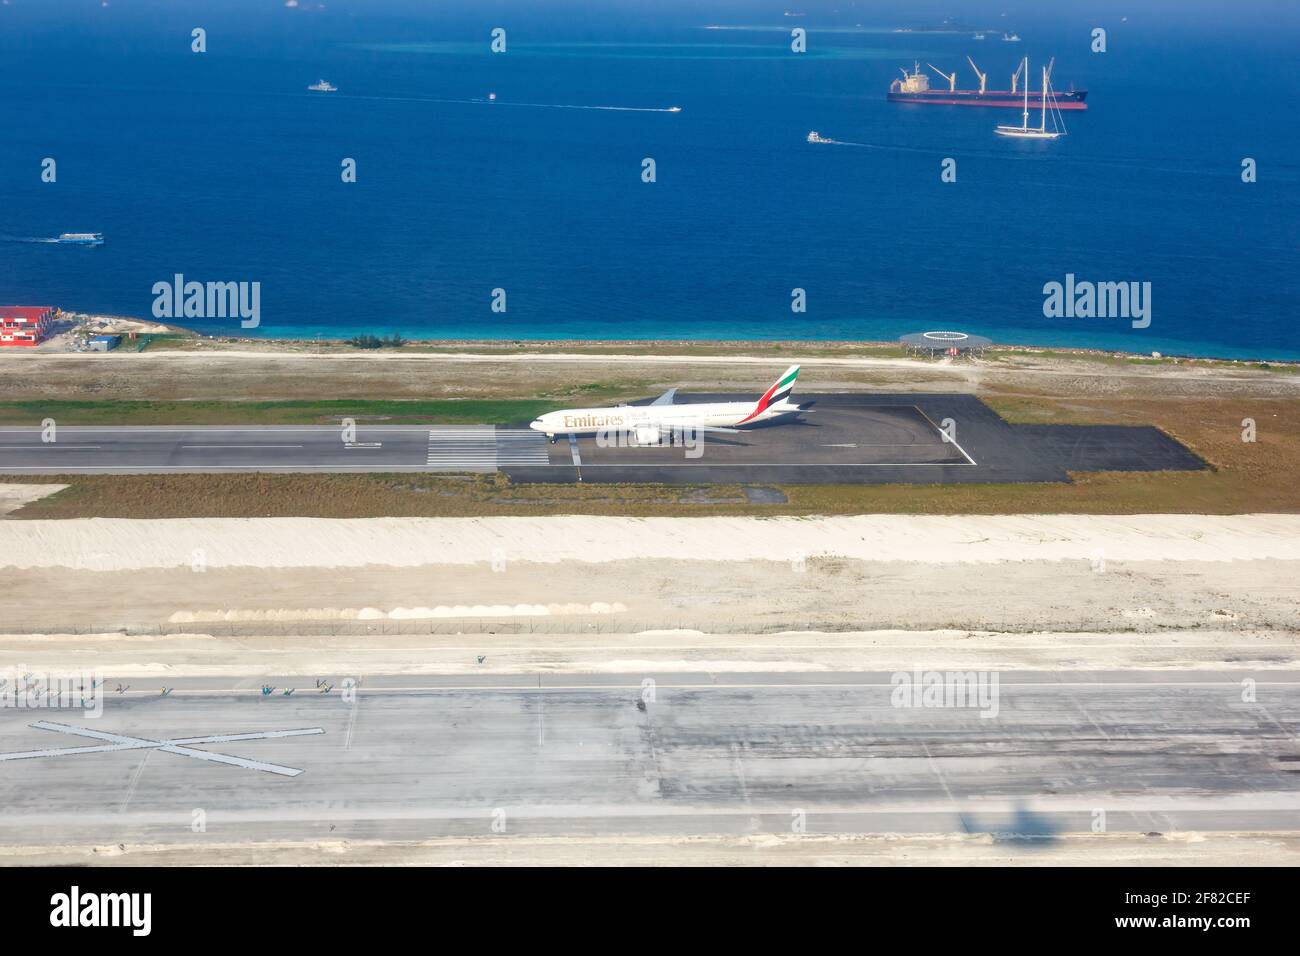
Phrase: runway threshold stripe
pixel 485 446
pixel 460 447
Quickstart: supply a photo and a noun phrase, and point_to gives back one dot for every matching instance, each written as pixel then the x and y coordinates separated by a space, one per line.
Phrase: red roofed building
pixel 25 324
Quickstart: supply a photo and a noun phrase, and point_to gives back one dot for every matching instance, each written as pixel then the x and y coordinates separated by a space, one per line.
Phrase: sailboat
pixel 1025 131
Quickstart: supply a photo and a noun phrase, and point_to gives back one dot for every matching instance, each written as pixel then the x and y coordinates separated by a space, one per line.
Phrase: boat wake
pixel 25 239
pixel 618 109
pixel 1134 165
pixel 484 101
pixel 883 146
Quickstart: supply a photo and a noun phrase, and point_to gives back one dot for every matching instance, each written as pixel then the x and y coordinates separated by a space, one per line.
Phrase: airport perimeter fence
pixel 307 628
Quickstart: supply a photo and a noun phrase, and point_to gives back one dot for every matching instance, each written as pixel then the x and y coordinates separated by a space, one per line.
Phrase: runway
pixel 840 439
pixel 415 757
pixel 269 448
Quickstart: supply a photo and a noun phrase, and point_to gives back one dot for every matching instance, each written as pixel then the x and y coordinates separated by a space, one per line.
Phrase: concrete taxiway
pixel 841 438
pixel 670 755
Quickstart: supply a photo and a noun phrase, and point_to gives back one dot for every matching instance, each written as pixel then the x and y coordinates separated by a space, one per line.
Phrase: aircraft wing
pixel 666 427
pixel 688 427
pixel 661 429
pixel 666 398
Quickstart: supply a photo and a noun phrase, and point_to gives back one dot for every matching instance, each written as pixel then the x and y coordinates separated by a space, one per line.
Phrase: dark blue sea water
pixel 222 166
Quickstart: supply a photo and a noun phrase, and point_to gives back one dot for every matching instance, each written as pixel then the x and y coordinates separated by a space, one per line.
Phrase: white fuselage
pixel 589 421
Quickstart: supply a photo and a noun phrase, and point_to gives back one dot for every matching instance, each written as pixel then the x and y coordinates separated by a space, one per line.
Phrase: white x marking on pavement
pixel 180 746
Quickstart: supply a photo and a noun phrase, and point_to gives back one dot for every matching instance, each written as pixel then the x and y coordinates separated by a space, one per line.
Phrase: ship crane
pixel 952 79
pixel 983 76
pixel 1016 75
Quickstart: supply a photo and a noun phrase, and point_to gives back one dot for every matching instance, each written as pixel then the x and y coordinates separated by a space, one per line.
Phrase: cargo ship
pixel 914 87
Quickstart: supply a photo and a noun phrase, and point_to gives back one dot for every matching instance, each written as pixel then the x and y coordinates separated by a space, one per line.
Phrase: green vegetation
pixel 362 496
pixel 1004 354
pixel 155 340
pixel 131 412
pixel 777 350
pixel 393 341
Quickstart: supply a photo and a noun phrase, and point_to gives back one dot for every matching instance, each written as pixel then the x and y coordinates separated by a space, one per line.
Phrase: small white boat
pixel 1011 38
pixel 674 109
pixel 81 238
pixel 320 86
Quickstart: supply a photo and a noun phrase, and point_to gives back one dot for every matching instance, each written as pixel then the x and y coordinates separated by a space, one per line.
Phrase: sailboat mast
pixel 1026 93
pixel 1043 123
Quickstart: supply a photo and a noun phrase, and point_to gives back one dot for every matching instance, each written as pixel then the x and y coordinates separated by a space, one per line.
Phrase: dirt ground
pixel 142 659
pixel 244 375
pixel 1112 849
pixel 726 596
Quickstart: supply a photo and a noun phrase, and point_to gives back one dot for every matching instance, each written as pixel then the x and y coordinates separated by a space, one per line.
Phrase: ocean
pixel 222 166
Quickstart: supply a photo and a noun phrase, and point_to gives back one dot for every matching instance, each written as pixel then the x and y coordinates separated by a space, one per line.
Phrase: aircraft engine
pixel 647 434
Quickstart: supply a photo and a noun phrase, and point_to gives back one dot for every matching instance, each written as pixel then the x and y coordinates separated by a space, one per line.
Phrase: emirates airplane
pixel 649 424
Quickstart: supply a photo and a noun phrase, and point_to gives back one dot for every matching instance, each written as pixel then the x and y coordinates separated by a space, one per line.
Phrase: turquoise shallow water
pixel 223 167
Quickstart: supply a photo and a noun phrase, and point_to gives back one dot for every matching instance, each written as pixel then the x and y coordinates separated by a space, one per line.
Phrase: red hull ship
pixel 915 88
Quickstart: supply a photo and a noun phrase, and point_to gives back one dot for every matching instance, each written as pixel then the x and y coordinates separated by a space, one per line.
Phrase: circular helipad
pixel 945 336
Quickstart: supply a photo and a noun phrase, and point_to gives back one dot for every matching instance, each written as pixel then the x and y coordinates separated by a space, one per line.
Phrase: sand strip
pixel 104 544
pixel 13 497
pixel 977 849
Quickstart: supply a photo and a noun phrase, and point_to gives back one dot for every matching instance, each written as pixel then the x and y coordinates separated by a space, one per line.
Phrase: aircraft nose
pixel 536 424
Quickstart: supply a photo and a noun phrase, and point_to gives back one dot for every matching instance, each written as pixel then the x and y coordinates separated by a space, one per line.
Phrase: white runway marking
pixel 352 723
pixel 788 464
pixel 484 446
pixel 177 746
pixel 135 782
pixel 945 436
